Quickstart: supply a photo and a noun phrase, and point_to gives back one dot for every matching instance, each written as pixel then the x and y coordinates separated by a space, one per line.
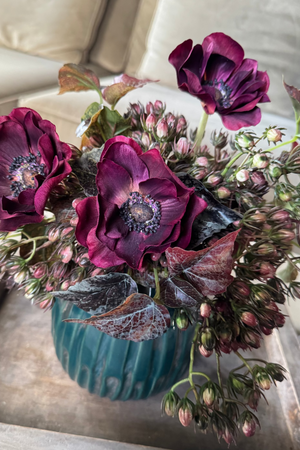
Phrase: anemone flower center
pixel 141 214
pixel 222 92
pixel 22 172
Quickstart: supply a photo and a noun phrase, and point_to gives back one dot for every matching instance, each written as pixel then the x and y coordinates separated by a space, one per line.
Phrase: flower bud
pixel 266 270
pixel 149 108
pixel 201 174
pixel 185 416
pixel 50 285
pixel 150 122
pixel 183 146
pixel 32 288
pixel 208 339
pixel 53 233
pixel 202 161
pixel 275 171
pixel 209 396
pixel 249 319
pixel 145 140
pixel 228 436
pixel 266 249
pixel 280 216
pixel 280 320
pixel 204 352
pixel 158 106
pixel 237 384
pixel 253 399
pixel 162 128
pixel 249 427
pixel 65 285
pixel 74 221
pixel 59 270
pixel 266 331
pixel 182 320
pixel 225 336
pixel 242 175
pixel 40 271
pixel 245 141
pixel 205 310
pixel 260 160
pixel 21 276
pixel 215 179
pixel 66 253
pixel 169 404
pixel 223 192
pixel 67 231
pixel 181 124
pixel 285 195
pixel 274 135
pixel 258 178
pixel 283 235
pixel 76 201
pixel 263 380
pixel 136 108
pixel 257 218
pixel 170 119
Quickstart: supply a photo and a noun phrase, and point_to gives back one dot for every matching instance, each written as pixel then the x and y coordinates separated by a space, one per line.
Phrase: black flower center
pixel 222 92
pixel 141 214
pixel 22 172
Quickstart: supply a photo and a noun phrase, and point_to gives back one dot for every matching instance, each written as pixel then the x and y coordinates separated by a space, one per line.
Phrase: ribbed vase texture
pixel 114 368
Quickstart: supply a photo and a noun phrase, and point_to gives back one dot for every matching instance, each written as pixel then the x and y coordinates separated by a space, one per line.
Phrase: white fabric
pixel 58 29
pixel 267 30
pixel 21 73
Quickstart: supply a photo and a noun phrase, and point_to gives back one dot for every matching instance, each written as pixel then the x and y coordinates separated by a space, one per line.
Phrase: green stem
pixel 192 353
pixel 32 253
pixel 185 380
pixel 201 374
pixel 19 244
pixel 287 142
pixel 201 129
pixel 244 361
pixel 230 164
pixel 219 373
pixel 156 297
pixel 100 95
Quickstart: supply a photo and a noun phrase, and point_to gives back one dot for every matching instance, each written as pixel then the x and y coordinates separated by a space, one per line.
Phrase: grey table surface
pixel 37 396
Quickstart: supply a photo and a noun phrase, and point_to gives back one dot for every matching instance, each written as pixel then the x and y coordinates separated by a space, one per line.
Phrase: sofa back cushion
pixel 267 30
pixel 63 30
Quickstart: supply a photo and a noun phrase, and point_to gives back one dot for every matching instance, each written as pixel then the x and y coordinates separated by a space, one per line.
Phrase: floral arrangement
pixel 145 228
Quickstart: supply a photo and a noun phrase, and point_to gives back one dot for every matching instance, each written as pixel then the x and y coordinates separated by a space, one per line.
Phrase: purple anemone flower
pixel 218 75
pixel 32 162
pixel 142 207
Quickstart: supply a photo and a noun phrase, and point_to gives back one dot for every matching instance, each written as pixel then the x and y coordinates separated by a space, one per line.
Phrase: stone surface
pixel 35 392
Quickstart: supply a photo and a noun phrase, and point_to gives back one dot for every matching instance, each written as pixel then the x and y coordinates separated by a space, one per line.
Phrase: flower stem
pixel 156 297
pixel 219 372
pixel 32 253
pixel 185 380
pixel 201 129
pixel 192 353
pixel 230 164
pixel 244 361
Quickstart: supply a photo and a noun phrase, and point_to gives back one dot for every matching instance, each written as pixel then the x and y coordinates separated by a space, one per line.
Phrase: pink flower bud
pixel 74 221
pixel 204 352
pixel 280 320
pixel 253 399
pixel 65 285
pixel 205 310
pixel 208 396
pixel 249 319
pixel 242 175
pixel 149 108
pixel 66 254
pixel 266 331
pixel 280 216
pixel 158 106
pixel 228 436
pixel 53 233
pixel 258 178
pixel 162 128
pixel 181 124
pixel 183 146
pixel 215 179
pixel 284 235
pixel 76 201
pixel 274 135
pixel 185 416
pixel 145 139
pixel 150 122
pixel 266 270
pixel 96 272
pixel 66 231
pixel 260 160
pixel 223 192
pixel 136 108
pixel 202 161
pixel 170 119
pixel 40 271
pixel 249 427
pixel 201 174
pixel 49 285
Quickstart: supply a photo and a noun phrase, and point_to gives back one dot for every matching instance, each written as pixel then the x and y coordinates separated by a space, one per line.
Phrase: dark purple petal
pixel 236 121
pixel 33 131
pixel 120 139
pixel 114 182
pixel 180 54
pixel 159 188
pixel 221 44
pixel 99 254
pixel 88 212
pixel 130 249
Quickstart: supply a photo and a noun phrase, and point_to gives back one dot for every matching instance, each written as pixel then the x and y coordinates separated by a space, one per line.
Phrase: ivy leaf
pixel 213 219
pixel 294 95
pixel 121 86
pixel 75 78
pixel 137 319
pixel 101 293
pixel 208 270
pixel 178 293
pixel 112 124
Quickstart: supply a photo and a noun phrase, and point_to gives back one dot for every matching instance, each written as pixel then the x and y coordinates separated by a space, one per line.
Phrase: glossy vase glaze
pixel 114 368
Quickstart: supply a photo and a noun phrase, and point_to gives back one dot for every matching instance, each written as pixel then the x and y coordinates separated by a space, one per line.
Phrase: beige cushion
pixel 267 30
pixel 58 29
pixel 110 49
pixel 65 110
pixel 21 73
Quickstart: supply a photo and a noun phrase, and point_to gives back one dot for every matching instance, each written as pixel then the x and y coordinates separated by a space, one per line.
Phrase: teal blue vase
pixel 114 368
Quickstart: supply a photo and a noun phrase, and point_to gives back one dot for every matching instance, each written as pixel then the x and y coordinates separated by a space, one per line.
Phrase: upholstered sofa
pixel 136 37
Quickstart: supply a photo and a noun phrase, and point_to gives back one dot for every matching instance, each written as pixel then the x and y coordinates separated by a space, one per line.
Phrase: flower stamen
pixel 22 173
pixel 141 214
